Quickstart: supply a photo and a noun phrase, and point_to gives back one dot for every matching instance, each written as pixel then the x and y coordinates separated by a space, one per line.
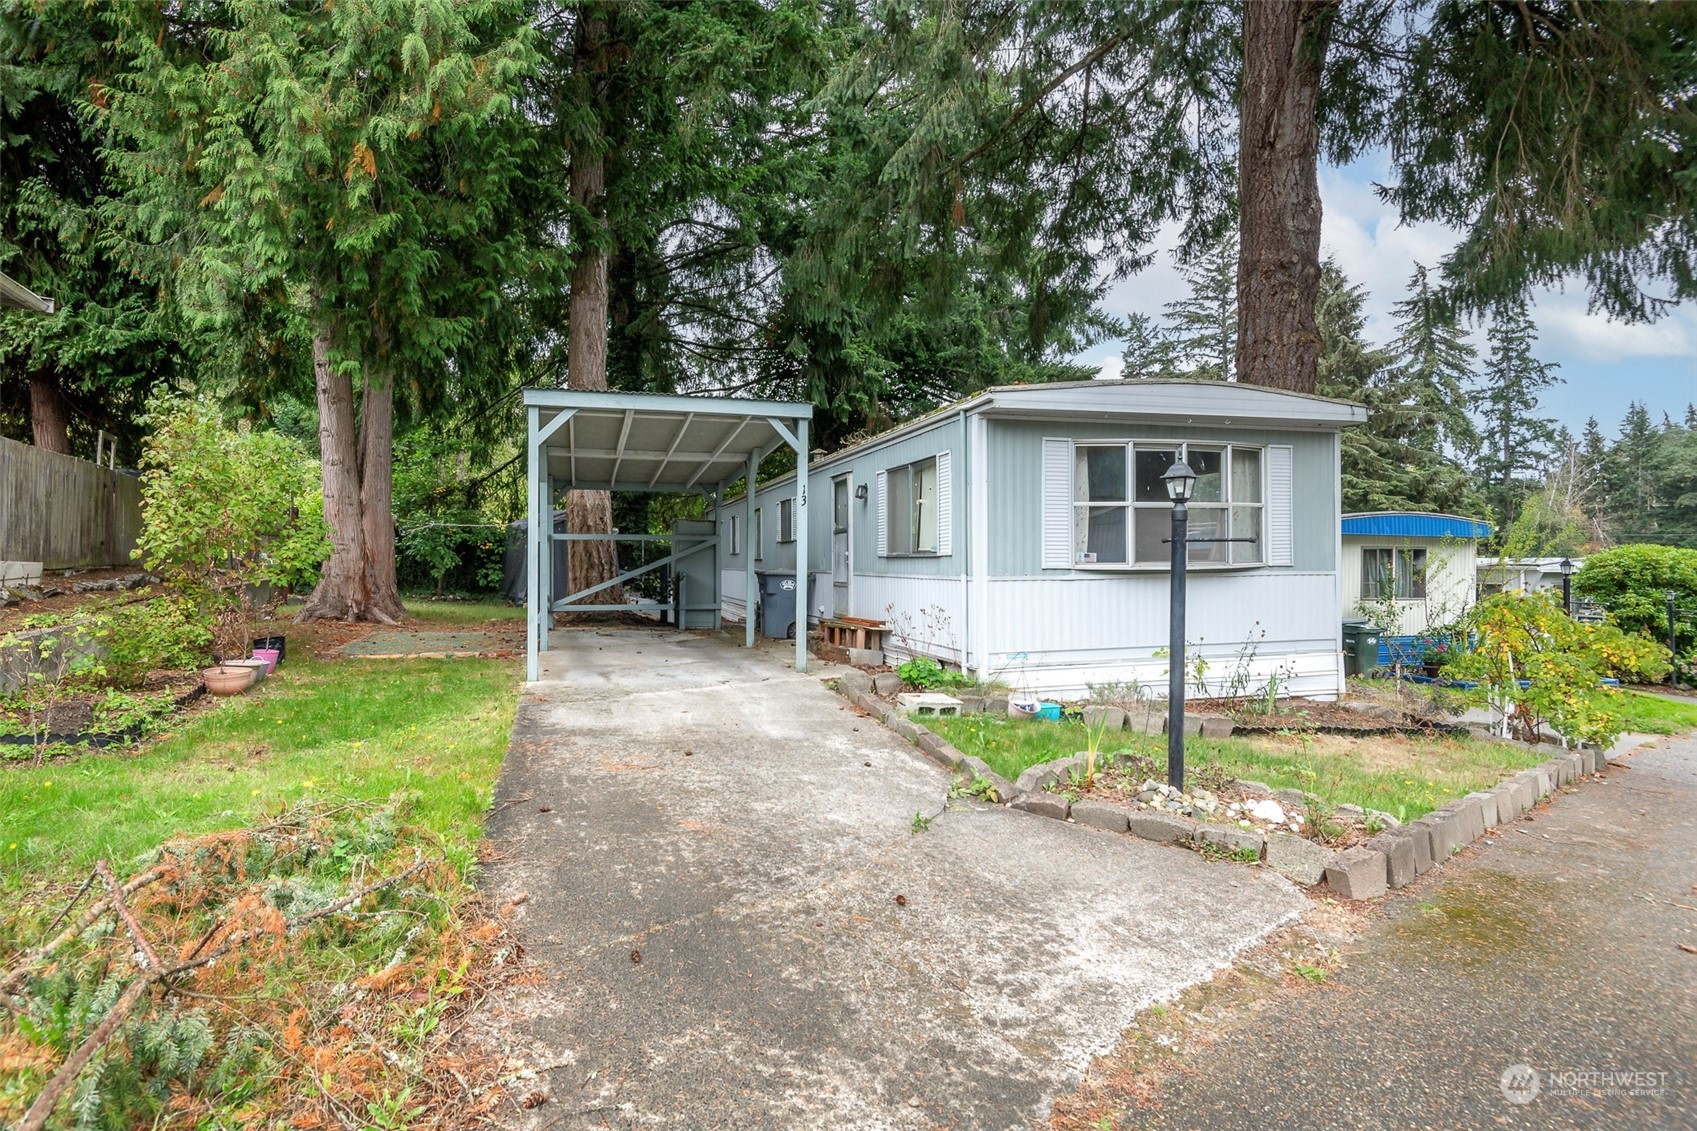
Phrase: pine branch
pixel 17 974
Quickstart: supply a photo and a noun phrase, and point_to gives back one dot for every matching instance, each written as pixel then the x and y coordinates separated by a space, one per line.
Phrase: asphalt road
pixel 1555 948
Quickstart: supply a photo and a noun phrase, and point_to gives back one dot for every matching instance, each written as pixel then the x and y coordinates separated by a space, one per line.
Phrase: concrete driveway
pixel 737 927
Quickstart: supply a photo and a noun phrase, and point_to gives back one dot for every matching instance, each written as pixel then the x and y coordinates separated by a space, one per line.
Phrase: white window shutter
pixel 883 515
pixel 1057 504
pixel 1281 502
pixel 945 504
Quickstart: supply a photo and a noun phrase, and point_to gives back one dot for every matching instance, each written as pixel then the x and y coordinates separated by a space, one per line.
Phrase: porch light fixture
pixel 1567 586
pixel 1180 480
pixel 860 492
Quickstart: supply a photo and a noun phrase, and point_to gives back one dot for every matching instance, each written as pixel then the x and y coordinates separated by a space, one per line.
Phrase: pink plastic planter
pixel 269 655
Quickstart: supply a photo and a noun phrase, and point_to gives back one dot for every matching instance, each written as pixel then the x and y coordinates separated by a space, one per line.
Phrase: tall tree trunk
pixel 356 458
pixel 49 415
pixel 1278 267
pixel 590 512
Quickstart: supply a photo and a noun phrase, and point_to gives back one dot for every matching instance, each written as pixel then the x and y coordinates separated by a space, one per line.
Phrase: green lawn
pixel 1404 776
pixel 462 612
pixel 1651 714
pixel 339 729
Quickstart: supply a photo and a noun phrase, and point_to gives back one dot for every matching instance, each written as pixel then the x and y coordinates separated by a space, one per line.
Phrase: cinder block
pixel 927 703
pixel 1043 804
pixel 1215 726
pixel 1399 857
pixel 1156 826
pixel 1445 830
pixel 1297 858
pixel 1231 837
pixel 1358 873
pixel 1487 807
pixel 1421 839
pixel 1099 815
pixel 854 683
pixel 1107 718
pixel 1472 817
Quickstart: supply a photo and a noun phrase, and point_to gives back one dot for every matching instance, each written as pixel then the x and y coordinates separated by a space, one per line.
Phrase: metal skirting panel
pixel 1310 674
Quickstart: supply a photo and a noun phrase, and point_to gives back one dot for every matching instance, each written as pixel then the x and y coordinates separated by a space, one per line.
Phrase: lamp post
pixel 1179 481
pixel 1567 586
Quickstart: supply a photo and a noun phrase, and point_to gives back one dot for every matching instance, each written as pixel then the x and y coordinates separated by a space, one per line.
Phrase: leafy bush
pixel 465 556
pixel 224 507
pixel 161 633
pixel 927 674
pixel 1632 583
pixel 1527 637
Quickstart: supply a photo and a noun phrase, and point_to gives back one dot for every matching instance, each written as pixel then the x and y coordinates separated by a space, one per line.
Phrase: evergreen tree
pixel 343 182
pixel 1391 462
pixel 1434 368
pixel 1631 478
pixel 1201 325
pixel 1517 443
pixel 90 364
pixel 1148 348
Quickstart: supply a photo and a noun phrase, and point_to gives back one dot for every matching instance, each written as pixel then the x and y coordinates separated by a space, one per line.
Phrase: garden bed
pixel 104 717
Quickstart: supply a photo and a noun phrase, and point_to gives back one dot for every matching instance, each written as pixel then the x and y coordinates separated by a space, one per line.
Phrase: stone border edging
pixel 1392 859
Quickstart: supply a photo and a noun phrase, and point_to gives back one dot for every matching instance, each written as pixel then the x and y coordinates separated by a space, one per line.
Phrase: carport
pixel 604 441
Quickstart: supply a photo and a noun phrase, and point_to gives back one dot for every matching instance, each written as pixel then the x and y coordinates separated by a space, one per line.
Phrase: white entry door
pixel 840 541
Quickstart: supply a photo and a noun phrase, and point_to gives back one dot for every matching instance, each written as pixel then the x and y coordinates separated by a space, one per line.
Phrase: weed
pixel 1310 973
pixel 920 822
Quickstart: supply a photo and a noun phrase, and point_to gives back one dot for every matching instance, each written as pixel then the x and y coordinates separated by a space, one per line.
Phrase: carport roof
pixel 647 442
pixel 15 296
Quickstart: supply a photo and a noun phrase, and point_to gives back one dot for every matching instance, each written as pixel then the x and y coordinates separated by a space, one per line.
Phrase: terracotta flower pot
pixel 227 680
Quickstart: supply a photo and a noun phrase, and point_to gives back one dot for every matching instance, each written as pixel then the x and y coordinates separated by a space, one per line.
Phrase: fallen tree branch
pixel 14 978
pixel 116 895
pixel 36 1117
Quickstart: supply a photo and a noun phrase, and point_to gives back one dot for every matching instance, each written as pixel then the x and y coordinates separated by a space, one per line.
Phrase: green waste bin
pixel 1360 647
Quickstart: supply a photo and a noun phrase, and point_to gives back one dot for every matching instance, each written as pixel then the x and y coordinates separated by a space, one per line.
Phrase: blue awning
pixel 1408 524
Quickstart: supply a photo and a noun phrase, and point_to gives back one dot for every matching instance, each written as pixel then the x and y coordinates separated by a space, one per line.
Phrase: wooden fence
pixel 64 512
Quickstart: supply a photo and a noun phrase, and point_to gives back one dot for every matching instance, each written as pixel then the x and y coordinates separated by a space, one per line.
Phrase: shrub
pixel 224 508
pixel 1527 637
pixel 162 633
pixel 1632 583
pixel 927 674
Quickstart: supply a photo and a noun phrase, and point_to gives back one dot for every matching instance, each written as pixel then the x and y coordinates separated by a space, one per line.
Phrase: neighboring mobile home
pixel 1021 534
pixel 1416 570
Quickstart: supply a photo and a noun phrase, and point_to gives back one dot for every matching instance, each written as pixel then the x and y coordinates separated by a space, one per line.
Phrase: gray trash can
pixel 777 603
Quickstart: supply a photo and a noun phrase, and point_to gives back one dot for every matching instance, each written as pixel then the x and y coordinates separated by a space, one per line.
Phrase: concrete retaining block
pixel 1108 718
pixel 1540 782
pixel 996 705
pixel 1099 815
pixel 854 683
pixel 1156 826
pixel 887 683
pixel 1192 725
pixel 866 657
pixel 1043 804
pixel 1399 857
pixel 1226 836
pixel 1297 858
pixel 1472 818
pixel 1358 873
pixel 1556 770
pixel 1487 806
pixel 937 748
pixel 1037 778
pixel 971 704
pixel 1445 831
pixel 1216 726
pixel 1421 841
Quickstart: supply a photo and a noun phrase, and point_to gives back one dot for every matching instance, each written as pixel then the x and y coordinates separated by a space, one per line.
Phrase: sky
pixel 1605 364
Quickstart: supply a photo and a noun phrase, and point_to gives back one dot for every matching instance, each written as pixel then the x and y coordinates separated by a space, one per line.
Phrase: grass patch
pixel 1405 776
pixel 352 729
pixel 462 612
pixel 1651 714
pixel 277 809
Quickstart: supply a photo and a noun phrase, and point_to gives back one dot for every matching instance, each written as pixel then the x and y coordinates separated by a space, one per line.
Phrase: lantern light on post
pixel 1567 586
pixel 1179 481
